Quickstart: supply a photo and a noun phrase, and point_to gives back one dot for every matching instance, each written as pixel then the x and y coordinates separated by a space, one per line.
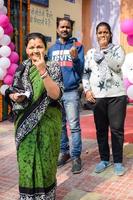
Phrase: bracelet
pixel 44 75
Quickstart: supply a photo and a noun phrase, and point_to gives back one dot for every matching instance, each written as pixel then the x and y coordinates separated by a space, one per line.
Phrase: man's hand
pixel 73 52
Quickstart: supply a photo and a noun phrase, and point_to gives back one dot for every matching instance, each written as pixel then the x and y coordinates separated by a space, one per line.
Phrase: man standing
pixel 70 54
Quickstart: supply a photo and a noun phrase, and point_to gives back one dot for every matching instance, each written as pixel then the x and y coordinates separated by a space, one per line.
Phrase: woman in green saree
pixel 35 97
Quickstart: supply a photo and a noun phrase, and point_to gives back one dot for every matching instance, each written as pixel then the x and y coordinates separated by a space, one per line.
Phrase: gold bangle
pixel 44 75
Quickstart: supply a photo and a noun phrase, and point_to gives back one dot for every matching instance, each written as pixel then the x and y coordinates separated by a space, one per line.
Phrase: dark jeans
pixel 110 113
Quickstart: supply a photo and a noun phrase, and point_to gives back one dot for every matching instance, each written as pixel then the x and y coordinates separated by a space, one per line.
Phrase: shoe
pixel 119 169
pixel 63 158
pixel 100 167
pixel 76 166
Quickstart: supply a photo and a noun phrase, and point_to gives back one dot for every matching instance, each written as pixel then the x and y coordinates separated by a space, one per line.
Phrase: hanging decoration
pixel 8 56
pixel 127 68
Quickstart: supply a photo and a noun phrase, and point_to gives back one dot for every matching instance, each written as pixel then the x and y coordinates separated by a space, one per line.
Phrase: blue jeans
pixel 71 106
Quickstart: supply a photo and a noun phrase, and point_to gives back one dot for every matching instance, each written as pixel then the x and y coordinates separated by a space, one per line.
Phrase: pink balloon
pixel 130 40
pixel 130 100
pixel 4 21
pixel 8 29
pixel 14 57
pixel 130 92
pixel 11 70
pixel 127 83
pixel 12 46
pixel 8 79
pixel 127 26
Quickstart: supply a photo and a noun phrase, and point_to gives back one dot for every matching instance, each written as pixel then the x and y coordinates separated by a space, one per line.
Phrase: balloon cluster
pixel 127 70
pixel 127 28
pixel 8 56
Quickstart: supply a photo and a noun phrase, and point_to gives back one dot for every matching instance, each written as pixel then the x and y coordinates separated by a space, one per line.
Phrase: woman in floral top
pixel 105 92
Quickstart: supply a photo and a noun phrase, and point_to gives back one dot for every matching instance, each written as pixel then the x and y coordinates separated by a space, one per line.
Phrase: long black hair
pixel 107 26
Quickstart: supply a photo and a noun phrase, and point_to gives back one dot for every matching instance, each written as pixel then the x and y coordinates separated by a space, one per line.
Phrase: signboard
pixel 42 2
pixel 72 1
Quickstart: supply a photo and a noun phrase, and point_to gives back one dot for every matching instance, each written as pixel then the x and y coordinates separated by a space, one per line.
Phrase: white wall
pixel 108 11
pixel 43 19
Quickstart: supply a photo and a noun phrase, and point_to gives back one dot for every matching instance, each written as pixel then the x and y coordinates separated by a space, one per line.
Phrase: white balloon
pixel 124 71
pixel 130 92
pixel 3 88
pixel 3 10
pixel 1 3
pixel 130 75
pixel 2 73
pixel 1 32
pixel 5 51
pixel 5 40
pixel 4 62
pixel 128 64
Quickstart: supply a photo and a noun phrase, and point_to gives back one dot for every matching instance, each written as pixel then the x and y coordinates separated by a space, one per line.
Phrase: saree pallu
pixel 38 150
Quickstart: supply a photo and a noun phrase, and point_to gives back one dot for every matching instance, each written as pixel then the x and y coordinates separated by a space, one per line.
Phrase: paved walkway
pixel 85 186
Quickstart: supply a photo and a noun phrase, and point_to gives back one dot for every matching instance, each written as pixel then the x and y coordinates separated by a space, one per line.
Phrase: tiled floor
pixel 84 186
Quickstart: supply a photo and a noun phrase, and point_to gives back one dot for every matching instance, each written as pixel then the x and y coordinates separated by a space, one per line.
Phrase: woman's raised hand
pixel 39 62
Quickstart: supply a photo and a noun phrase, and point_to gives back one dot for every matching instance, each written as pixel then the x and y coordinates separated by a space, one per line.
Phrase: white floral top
pixel 104 78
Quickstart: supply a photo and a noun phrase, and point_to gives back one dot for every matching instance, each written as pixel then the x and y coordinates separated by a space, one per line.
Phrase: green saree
pixel 38 128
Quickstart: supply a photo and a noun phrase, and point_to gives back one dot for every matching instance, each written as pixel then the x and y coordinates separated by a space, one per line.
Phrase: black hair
pixel 107 26
pixel 65 19
pixel 34 36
